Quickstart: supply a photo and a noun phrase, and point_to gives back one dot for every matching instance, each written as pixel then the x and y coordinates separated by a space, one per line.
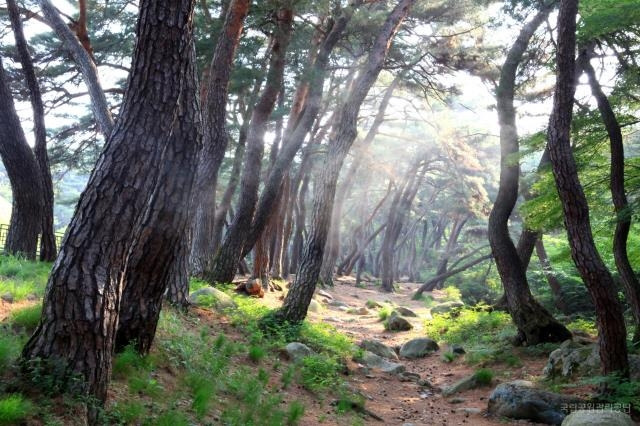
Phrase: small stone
pixel 314 306
pixel 325 294
pixel 7 297
pixel 418 348
pixel 406 312
pixel 470 410
pixel 32 297
pixel 408 377
pixel 456 349
pixel 210 296
pixel 398 323
pixel 597 418
pixel 457 400
pixel 374 361
pixel 337 303
pixel 296 351
pixel 379 349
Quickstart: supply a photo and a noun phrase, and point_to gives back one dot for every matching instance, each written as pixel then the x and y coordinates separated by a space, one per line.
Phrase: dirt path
pixel 395 401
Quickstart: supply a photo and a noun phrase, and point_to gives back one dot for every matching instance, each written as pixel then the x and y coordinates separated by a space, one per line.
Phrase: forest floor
pixel 219 367
pixel 405 402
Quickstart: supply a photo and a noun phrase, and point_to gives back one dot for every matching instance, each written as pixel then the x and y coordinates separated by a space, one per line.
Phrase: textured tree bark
pixel 48 249
pixel 228 256
pixel 85 64
pixel 610 321
pixel 618 192
pixel 535 324
pixel 215 136
pixel 343 133
pixel 178 278
pixel 129 201
pixel 24 176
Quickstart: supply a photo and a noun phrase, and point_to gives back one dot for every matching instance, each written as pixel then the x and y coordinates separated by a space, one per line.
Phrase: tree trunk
pixel 215 135
pixel 332 251
pixel 618 193
pixel 554 284
pixel 230 253
pixel 130 205
pixel 430 285
pixel 343 133
pixel 397 213
pixel 535 324
pixel 295 136
pixel 610 321
pixel 24 176
pixel 85 65
pixel 48 249
pixel 456 228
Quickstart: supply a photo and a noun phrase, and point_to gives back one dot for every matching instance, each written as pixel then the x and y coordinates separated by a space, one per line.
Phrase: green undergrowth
pixel 199 371
pixel 484 335
pixel 23 278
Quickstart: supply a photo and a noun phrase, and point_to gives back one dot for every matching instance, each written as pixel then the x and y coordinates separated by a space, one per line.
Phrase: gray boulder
pixel 581 358
pixel 296 351
pixel 379 349
pixel 598 418
pixel 520 400
pixel 397 323
pixel 464 384
pixel 441 308
pixel 418 348
pixel 314 306
pixel 572 358
pixel 372 360
pixel 210 296
pixel 406 312
pixel 337 303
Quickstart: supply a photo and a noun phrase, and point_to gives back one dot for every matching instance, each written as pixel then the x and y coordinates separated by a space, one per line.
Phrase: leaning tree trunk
pixel 610 320
pixel 85 65
pixel 332 251
pixel 552 280
pixel 141 304
pixel 535 324
pixel 24 176
pixel 48 249
pixel 343 133
pixel 215 135
pixel 129 202
pixel 618 193
pixel 296 134
pixel 226 261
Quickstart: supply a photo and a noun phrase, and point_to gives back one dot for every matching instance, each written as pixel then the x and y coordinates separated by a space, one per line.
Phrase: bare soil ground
pixel 404 403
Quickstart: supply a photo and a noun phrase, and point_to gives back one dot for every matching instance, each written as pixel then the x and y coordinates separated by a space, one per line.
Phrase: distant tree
pixel 24 176
pixel 342 136
pixel 48 249
pixel 228 256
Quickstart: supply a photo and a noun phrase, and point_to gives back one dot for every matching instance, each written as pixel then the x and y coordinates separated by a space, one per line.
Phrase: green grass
pixel 451 294
pixel 9 350
pixel 129 361
pixel 26 318
pixel 469 327
pixel 483 376
pixel 256 353
pixel 318 373
pixel 583 325
pixel 128 412
pixel 385 312
pixel 22 277
pixel 14 409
